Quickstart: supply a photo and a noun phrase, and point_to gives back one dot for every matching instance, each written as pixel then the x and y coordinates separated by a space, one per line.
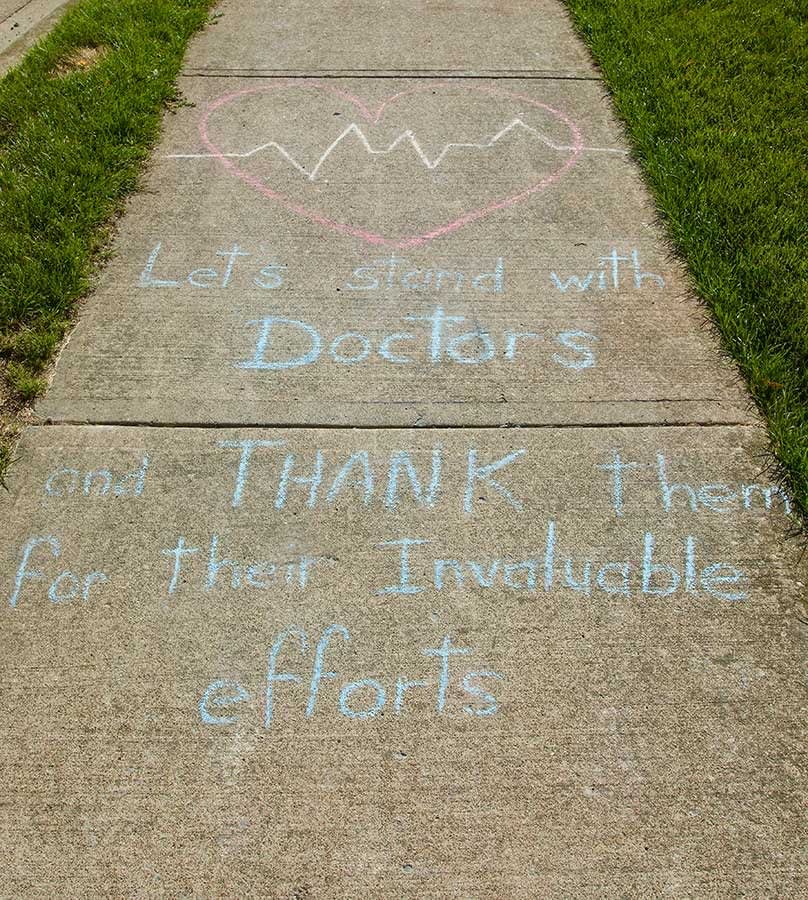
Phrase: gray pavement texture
pixel 22 22
pixel 9 7
pixel 393 526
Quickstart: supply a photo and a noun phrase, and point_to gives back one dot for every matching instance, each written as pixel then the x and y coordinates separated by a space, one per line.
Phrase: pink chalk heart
pixel 233 162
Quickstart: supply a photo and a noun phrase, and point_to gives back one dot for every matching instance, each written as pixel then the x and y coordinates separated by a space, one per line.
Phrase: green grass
pixel 73 141
pixel 714 94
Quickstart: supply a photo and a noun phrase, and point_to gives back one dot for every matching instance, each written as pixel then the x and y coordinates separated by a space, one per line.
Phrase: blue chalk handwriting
pixel 72 482
pixel 644 574
pixel 686 497
pixel 610 275
pixel 272 663
pixel 265 275
pixel 62 588
pixel 208 569
pixel 313 682
pixel 221 694
pixel 479 476
pixel 403 585
pixel 316 480
pixel 396 273
pixel 436 338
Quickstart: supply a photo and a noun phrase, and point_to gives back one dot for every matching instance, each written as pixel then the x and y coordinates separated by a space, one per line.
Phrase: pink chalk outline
pixel 576 147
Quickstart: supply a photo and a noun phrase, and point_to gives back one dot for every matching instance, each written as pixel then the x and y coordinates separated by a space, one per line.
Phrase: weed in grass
pixel 23 382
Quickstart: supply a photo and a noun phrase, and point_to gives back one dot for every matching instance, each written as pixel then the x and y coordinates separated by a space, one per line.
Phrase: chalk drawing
pixel 405 137
pixel 65 482
pixel 395 481
pixel 608 276
pixel 395 272
pixel 362 698
pixel 213 570
pixel 573 149
pixel 270 275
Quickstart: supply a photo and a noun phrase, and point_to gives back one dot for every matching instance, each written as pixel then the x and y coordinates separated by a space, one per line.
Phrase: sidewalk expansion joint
pixel 20 8
pixel 330 426
pixel 377 75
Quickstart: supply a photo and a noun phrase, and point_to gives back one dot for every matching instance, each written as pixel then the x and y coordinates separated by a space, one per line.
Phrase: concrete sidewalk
pixel 22 23
pixel 393 526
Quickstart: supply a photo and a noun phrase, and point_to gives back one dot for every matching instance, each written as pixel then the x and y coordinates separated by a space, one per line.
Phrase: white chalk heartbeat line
pixel 405 136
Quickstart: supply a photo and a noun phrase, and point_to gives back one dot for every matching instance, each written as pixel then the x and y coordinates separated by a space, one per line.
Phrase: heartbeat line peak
pixel 405 137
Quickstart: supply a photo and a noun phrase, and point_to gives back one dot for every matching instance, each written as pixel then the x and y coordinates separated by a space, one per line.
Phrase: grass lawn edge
pixel 711 96
pixel 79 116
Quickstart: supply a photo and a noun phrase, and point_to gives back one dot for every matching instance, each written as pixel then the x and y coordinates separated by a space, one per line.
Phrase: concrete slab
pixel 636 726
pixel 362 35
pixel 22 23
pixel 497 263
pixel 9 7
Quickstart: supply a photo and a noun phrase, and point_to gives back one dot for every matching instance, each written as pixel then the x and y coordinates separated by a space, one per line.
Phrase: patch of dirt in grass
pixel 79 60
